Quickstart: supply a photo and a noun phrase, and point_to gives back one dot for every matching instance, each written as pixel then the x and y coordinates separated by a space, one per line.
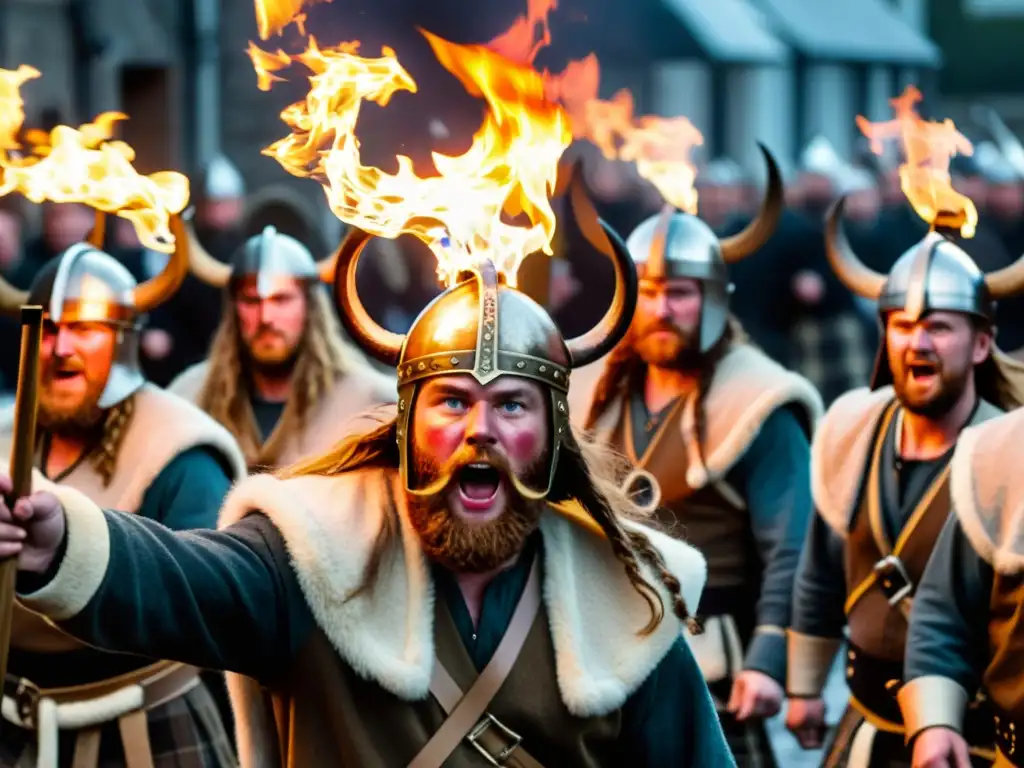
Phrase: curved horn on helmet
pixel 599 340
pixel 98 233
pixel 328 266
pixel 161 287
pixel 1007 281
pixel 854 274
pixel 202 264
pixel 11 299
pixel 376 341
pixel 744 243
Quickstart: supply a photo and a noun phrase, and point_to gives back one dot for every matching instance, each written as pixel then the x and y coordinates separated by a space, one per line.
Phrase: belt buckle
pixel 884 568
pixel 480 728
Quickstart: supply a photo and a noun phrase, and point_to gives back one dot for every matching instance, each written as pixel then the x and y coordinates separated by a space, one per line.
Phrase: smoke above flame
pixel 928 147
pixel 84 165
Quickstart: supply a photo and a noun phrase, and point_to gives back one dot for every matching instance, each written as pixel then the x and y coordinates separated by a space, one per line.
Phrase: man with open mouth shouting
pixel 880 466
pixel 107 433
pixel 460 584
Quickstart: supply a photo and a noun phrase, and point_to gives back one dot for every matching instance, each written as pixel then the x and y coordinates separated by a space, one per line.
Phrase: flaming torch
pixel 928 147
pixel 85 165
pixel 462 213
pixel 66 165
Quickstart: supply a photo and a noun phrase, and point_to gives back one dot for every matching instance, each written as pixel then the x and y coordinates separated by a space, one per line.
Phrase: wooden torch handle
pixel 22 452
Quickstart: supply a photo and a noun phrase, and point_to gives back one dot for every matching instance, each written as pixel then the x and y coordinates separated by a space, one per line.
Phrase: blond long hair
pixel 587 474
pixel 324 356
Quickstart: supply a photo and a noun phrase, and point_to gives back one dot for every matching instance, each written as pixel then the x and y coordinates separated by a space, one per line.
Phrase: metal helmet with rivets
pixel 267 257
pixel 84 284
pixel 935 274
pixel 484 327
pixel 674 244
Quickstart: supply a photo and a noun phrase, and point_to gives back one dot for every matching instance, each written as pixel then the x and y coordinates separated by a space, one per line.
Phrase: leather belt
pixel 86 708
pixel 1006 738
pixel 873 682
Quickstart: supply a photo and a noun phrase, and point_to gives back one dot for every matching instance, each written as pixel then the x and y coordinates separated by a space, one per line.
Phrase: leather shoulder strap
pixel 467 714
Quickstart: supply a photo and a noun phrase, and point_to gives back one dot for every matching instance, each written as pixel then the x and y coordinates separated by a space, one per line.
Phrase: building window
pixel 994 8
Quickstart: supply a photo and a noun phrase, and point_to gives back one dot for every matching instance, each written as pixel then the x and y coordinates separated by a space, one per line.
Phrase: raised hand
pixel 33 530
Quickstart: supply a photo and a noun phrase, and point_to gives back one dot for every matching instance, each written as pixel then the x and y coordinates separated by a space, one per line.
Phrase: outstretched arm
pixel 215 599
pixel 947 644
pixel 776 477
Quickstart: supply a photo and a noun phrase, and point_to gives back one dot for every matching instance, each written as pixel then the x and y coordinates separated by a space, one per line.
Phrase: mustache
pixel 64 365
pixel 468 454
pixel 922 359
pixel 661 326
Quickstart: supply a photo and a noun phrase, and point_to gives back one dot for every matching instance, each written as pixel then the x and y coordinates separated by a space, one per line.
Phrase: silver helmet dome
pixel 677 244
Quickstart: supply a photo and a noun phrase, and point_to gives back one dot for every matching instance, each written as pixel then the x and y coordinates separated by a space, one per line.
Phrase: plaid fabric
pixel 183 733
pixel 833 353
pixel 748 741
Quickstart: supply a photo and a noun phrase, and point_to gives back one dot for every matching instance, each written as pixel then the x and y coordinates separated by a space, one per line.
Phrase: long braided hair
pixel 586 475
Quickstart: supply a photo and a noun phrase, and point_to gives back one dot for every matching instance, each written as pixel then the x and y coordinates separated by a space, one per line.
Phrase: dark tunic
pixel 967 628
pixel 267 415
pixel 232 602
pixel 833 588
pixel 753 553
pixel 187 494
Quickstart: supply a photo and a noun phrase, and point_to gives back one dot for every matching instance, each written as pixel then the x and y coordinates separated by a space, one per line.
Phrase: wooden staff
pixel 26 404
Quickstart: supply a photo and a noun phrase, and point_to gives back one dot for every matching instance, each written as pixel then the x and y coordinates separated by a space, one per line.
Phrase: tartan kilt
pixel 186 732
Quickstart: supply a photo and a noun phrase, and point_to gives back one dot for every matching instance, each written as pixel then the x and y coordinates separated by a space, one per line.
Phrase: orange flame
pixel 659 146
pixel 12 108
pixel 510 168
pixel 82 165
pixel 928 148
pixel 273 16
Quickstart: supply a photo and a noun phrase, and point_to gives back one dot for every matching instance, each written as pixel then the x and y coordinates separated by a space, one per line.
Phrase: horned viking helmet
pixel 676 244
pixel 484 327
pixel 935 274
pixel 86 284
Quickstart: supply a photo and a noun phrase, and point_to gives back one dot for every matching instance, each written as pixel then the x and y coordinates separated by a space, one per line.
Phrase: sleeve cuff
pixel 767 653
pixel 932 701
pixel 808 662
pixel 85 560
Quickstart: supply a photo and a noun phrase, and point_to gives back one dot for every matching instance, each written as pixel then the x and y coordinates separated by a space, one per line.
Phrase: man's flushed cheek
pixel 442 440
pixel 523 447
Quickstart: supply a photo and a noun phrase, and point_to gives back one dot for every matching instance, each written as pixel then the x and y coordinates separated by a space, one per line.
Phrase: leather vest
pixel 329 715
pixel 709 518
pixel 876 627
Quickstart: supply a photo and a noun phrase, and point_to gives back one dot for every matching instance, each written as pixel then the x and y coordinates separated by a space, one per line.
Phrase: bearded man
pixel 469 543
pixel 280 376
pixel 881 480
pixel 719 438
pixel 108 435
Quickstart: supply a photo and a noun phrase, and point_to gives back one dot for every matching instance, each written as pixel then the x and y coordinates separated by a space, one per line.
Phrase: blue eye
pixel 512 406
pixel 454 403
